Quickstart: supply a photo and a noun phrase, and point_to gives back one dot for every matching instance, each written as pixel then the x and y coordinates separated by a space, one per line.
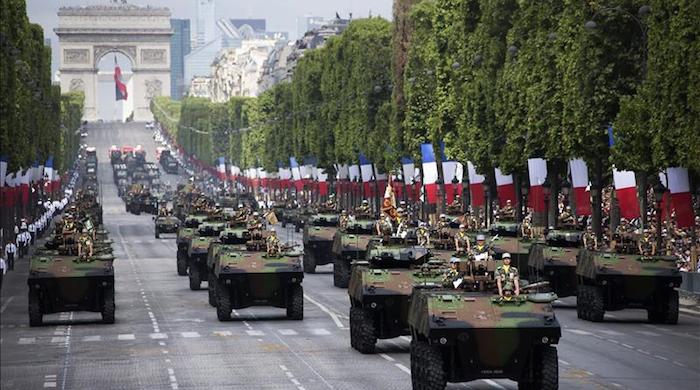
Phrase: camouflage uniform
pixel 590 241
pixel 343 221
pixel 273 244
pixel 462 240
pixel 507 275
pixel 423 235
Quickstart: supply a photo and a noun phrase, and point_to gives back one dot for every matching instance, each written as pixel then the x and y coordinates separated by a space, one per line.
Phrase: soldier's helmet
pixel 589 228
pixel 399 210
pixel 508 203
pixel 443 216
pixel 365 201
pixel 344 212
pixel 505 256
pixel 462 226
pixel 255 214
pixel 480 237
pixel 273 231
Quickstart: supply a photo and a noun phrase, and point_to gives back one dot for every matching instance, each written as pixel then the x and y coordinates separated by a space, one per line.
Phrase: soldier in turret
pixel 526 227
pixel 330 203
pixel 566 217
pixel 462 242
pixel 273 243
pixel 590 241
pixel 85 249
pixel 646 244
pixel 255 226
pixel 423 234
pixel 507 212
pixel 385 228
pixel 364 209
pixel 456 205
pixel 507 278
pixel 451 274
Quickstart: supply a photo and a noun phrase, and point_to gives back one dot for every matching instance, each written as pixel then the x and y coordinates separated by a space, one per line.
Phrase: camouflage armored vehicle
pixel 348 246
pixel 299 216
pixel 65 283
pixel 254 278
pixel 380 289
pixel 610 281
pixel 198 249
pixel 318 240
pixel 166 224
pixel 519 249
pixel 462 332
pixel 184 236
pixel 555 261
pixel 505 229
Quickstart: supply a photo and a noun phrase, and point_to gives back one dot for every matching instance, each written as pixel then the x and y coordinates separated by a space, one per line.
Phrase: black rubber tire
pixel 363 336
pixel 581 302
pixel 195 279
pixel 108 306
pixel 666 311
pixel 295 304
pixel 36 317
pixel 309 263
pixel 223 302
pixel 211 288
pixel 428 361
pixel 341 273
pixel 181 263
pixel 157 234
pixel 545 370
pixel 596 304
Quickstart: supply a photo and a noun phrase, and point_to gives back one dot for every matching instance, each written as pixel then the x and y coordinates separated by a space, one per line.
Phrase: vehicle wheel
pixel 295 306
pixel 284 224
pixel 211 288
pixel 157 234
pixel 545 370
pixel 582 302
pixel 296 229
pixel 666 311
pixel 341 273
pixel 431 370
pixel 108 306
pixel 181 264
pixel 195 279
pixel 223 302
pixel 309 263
pixel 36 318
pixel 362 333
pixel 596 304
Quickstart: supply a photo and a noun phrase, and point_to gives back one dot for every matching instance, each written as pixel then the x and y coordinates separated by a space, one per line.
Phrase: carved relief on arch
pixel 77 85
pixel 129 51
pixel 154 88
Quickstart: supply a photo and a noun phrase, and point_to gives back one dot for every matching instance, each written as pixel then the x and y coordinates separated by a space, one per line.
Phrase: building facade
pixel 180 46
pixel 206 21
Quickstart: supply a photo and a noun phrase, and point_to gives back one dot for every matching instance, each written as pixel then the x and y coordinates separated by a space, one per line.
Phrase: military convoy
pixel 350 244
pixel 74 271
pixel 319 232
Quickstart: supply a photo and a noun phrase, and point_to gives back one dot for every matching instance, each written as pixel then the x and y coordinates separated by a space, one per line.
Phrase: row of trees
pixel 35 120
pixel 499 81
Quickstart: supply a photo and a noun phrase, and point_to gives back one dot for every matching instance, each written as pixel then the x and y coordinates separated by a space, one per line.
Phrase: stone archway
pixel 87 34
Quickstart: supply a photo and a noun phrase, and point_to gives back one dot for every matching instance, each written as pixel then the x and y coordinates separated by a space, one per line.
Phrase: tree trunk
pixel 597 200
pixel 643 181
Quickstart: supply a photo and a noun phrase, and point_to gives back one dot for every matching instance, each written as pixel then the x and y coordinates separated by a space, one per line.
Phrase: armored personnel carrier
pixel 166 224
pixel 318 240
pixel 198 249
pixel 184 236
pixel 251 277
pixel 609 281
pixel 380 289
pixel 518 247
pixel 555 260
pixel 463 332
pixel 350 244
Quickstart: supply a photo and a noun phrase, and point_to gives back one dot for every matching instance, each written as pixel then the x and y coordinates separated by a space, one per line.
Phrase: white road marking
pixel 627 346
pixel 564 362
pixel 296 382
pixel 494 384
pixel 161 343
pixel 288 332
pixel 579 332
pixel 320 332
pixel 158 336
pixel 615 384
pixel 222 333
pixel 643 351
pixel 661 357
pixel 324 309
pixel 255 332
pixel 689 311
pixel 289 374
pixel 7 302
pixel 403 368
pixel 284 368
pixel 92 338
pixel 171 371
pixel 49 384
pixel 190 335
pixel 129 336
pixel 26 340
pixel 405 338
pixel 611 332
pixel 679 363
pixel 58 339
pixel 647 333
pixel 387 357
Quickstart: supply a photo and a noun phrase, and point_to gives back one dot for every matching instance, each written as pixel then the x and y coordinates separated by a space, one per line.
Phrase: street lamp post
pixel 546 186
pixel 487 206
pixel 524 189
pixel 565 187
pixel 455 181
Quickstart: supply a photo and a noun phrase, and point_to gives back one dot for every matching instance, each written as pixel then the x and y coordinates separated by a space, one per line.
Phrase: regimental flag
pixel 676 180
pixel 120 87
pixel 626 193
pixel 389 202
pixel 476 186
pixel 430 173
pixel 537 169
pixel 505 188
pixel 579 182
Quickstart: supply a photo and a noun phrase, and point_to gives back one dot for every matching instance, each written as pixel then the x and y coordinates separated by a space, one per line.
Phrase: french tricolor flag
pixel 676 180
pixel 354 171
pixel 430 173
pixel 4 192
pixel 626 193
pixel 367 171
pixel 476 186
pixel 221 168
pixel 24 182
pixel 296 174
pixel 579 183
pixel 537 169
pixel 451 170
pixel 505 188
pixel 322 178
pixel 49 174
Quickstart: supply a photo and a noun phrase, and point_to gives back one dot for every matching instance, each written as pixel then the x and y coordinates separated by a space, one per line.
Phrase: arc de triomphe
pixel 86 34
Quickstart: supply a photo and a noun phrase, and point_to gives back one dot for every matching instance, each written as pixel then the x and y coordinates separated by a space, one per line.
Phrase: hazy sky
pixel 280 14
